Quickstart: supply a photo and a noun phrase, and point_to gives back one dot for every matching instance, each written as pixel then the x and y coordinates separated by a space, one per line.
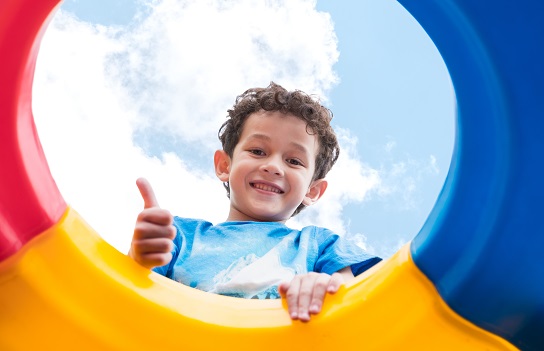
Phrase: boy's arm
pixel 306 292
pixel 346 273
pixel 151 244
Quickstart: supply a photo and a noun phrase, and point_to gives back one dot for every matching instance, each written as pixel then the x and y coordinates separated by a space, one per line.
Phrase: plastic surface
pixel 92 297
pixel 63 287
pixel 30 201
pixel 482 245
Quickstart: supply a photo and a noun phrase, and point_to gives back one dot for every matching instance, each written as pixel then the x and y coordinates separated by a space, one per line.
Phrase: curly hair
pixel 297 103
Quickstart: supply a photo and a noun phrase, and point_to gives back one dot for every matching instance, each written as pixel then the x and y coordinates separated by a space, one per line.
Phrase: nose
pixel 272 166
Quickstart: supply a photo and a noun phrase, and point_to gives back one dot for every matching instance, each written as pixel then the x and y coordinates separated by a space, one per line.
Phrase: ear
pixel 221 160
pixel 316 190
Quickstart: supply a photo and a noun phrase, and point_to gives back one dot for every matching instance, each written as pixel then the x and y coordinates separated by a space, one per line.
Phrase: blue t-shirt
pixel 250 259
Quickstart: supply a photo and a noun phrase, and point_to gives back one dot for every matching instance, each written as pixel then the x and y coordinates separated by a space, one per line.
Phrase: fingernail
pixel 294 315
pixel 314 308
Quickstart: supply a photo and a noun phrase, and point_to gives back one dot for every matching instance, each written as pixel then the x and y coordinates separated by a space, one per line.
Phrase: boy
pixel 277 148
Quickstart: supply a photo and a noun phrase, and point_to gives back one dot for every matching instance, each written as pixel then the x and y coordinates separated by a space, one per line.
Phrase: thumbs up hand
pixel 153 234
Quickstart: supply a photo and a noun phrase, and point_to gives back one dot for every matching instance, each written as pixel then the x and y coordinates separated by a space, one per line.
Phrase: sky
pixel 126 89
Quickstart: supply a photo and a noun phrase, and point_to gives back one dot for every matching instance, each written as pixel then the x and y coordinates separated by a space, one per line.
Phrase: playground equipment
pixel 470 280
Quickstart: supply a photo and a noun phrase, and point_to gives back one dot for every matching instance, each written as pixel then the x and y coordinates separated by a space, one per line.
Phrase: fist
pixel 153 233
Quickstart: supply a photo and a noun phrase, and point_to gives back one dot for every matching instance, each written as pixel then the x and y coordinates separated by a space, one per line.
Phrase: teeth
pixel 266 188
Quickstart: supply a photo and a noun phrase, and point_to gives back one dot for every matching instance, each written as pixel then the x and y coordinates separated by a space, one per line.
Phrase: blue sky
pixel 124 76
pixel 394 89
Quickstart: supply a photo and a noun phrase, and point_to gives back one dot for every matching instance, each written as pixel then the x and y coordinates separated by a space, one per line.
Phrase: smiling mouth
pixel 266 187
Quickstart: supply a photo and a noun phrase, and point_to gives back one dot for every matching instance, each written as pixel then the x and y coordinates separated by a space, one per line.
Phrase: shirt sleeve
pixel 335 253
pixel 186 230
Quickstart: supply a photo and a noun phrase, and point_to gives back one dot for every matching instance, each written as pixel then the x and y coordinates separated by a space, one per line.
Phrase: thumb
pixel 147 193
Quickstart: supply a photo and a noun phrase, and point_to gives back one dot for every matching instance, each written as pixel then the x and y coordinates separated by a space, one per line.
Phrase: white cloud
pixel 402 179
pixel 189 59
pixel 172 74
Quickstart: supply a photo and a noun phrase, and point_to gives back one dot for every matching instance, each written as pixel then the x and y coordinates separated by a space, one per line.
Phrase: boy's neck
pixel 237 216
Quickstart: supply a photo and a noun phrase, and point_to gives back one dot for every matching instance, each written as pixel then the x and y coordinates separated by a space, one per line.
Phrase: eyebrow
pixel 264 137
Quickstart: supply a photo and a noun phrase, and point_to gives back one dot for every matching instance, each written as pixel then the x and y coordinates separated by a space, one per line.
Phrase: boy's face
pixel 270 173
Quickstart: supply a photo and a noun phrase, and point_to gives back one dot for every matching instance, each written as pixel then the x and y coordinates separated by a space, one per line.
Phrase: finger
pixel 147 193
pixel 151 253
pixel 305 294
pixel 320 287
pixel 282 288
pixel 148 229
pixel 336 281
pixel 153 260
pixel 149 246
pixel 289 292
pixel 155 215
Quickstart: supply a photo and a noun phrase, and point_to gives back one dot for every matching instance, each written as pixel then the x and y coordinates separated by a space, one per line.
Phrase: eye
pixel 294 162
pixel 256 152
